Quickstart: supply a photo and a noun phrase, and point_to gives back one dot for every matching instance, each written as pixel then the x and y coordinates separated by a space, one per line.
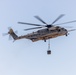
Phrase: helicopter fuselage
pixel 45 34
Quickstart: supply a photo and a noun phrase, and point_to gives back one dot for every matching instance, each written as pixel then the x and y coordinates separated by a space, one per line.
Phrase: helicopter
pixel 44 32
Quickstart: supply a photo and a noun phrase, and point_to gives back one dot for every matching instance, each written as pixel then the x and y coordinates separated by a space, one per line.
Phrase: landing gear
pixel 44 40
pixel 49 51
pixel 67 34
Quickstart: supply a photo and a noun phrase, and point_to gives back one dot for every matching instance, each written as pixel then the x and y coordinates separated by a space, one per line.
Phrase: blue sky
pixel 24 57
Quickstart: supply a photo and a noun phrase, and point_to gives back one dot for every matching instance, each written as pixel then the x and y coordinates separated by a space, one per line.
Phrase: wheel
pixel 49 52
pixel 44 40
pixel 66 34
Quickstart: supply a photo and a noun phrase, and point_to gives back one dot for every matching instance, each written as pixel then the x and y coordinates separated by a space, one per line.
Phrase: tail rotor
pixel 10 33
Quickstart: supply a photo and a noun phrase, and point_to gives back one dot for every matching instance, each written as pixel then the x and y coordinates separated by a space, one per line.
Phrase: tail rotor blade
pixel 16 32
pixel 4 34
pixel 10 38
pixel 9 28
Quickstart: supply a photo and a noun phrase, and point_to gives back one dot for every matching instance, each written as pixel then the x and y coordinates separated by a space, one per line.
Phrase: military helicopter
pixel 47 31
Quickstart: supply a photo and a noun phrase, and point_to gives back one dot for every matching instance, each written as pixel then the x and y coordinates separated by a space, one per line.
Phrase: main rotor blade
pixel 71 30
pixel 29 24
pixel 33 28
pixel 58 18
pixel 37 17
pixel 67 26
pixel 66 22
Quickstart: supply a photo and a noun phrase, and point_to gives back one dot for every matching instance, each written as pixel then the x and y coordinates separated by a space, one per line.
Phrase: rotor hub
pixel 10 31
pixel 48 26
